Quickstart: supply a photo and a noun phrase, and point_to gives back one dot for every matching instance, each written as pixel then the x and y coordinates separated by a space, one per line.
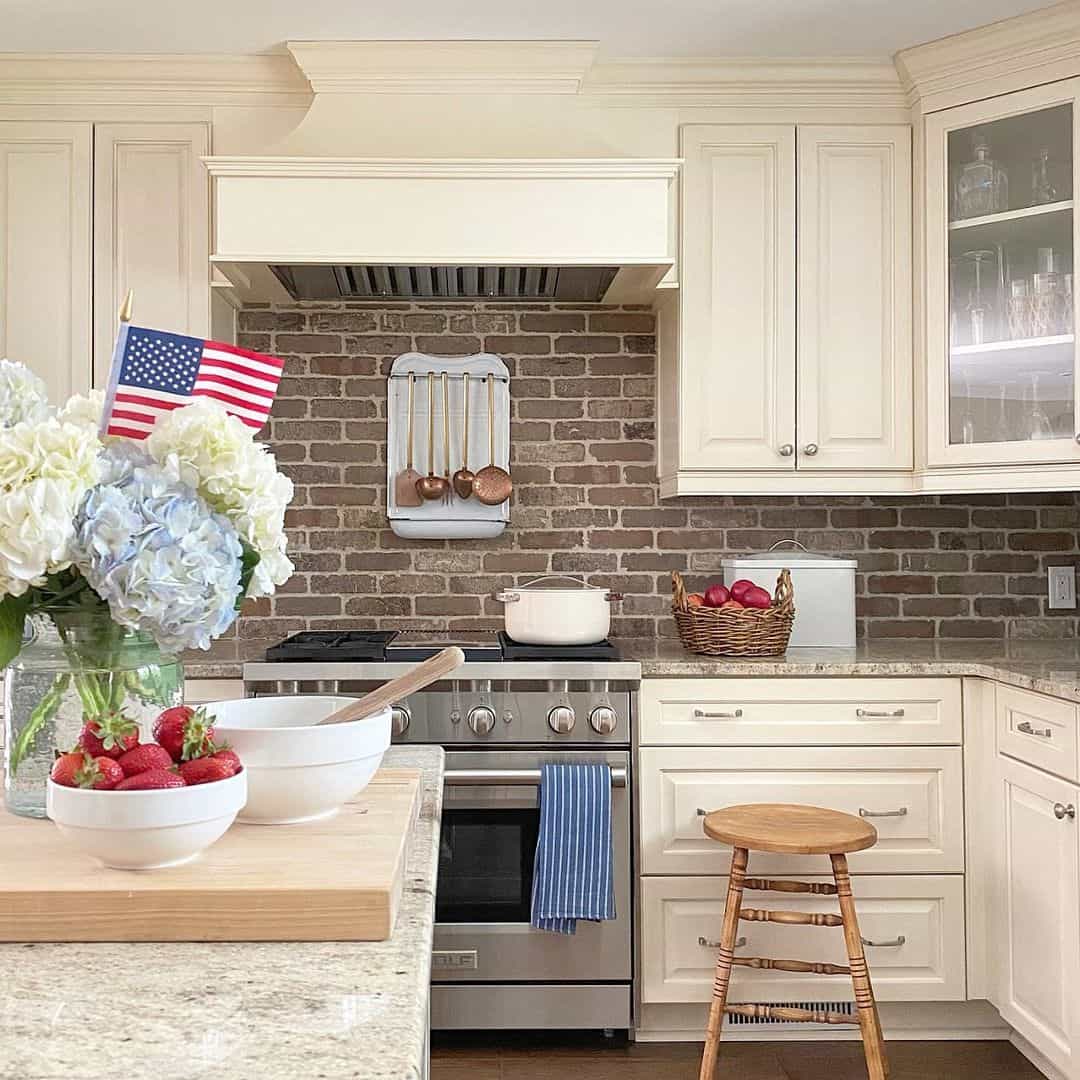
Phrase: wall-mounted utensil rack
pixel 457 518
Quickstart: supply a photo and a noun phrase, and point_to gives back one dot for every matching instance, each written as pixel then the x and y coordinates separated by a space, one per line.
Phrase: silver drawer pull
pixel 902 812
pixel 702 813
pixel 1061 812
pixel 705 943
pixel 1027 729
pixel 880 714
pixel 894 944
pixel 701 714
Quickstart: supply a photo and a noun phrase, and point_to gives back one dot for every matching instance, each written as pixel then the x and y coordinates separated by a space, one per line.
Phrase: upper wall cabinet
pixel 151 230
pixel 45 178
pixel 786 359
pixel 1001 354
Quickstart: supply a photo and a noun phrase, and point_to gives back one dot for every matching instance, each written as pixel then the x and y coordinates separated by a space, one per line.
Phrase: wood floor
pixel 535 1058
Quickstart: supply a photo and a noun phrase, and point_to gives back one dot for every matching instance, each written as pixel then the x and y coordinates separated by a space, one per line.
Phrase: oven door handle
pixel 511 777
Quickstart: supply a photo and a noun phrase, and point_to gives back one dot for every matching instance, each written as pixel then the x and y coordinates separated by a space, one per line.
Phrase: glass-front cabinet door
pixel 1001 233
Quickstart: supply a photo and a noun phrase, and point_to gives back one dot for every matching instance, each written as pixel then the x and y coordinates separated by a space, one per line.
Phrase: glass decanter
pixel 983 186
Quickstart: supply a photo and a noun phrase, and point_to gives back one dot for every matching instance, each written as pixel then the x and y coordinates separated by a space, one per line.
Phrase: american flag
pixel 155 372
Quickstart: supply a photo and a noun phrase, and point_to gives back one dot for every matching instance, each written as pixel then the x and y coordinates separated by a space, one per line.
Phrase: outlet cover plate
pixel 1061 586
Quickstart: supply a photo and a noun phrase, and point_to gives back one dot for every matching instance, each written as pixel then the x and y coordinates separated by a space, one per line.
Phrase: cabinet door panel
pixel 1041 911
pixel 151 230
pixel 737 377
pixel 45 252
pixel 854 309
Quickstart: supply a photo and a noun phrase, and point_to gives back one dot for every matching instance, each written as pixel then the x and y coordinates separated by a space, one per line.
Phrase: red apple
pixel 716 596
pixel 732 605
pixel 695 599
pixel 757 597
pixel 740 588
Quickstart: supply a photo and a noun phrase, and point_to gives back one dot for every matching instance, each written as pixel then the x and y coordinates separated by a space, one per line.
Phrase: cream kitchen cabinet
pixel 786 358
pixel 45 251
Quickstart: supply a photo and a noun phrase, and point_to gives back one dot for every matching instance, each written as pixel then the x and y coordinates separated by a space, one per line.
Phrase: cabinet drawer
pixel 913 795
pixel 681 919
pixel 1037 729
pixel 800 712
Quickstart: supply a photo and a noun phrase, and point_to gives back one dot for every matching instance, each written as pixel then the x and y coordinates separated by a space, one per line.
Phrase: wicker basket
pixel 734 632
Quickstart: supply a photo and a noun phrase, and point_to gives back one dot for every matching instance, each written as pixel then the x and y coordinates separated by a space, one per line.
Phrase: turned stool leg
pixel 724 961
pixel 877 1066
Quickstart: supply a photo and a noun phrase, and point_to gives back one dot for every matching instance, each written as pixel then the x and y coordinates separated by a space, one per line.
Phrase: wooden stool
pixel 792 830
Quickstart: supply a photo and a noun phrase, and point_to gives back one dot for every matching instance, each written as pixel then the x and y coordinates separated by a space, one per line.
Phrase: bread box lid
pixel 798 559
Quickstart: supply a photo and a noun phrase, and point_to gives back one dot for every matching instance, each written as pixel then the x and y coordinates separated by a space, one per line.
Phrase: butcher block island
pixel 248 1010
pixel 337 879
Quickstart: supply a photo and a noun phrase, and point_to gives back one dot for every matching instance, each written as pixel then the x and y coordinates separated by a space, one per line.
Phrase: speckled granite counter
pixel 251 1011
pixel 1052 667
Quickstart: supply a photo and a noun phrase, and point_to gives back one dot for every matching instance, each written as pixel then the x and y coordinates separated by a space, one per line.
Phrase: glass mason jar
pixel 75 668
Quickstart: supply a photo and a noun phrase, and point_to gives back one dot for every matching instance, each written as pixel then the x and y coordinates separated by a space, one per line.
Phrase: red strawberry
pixel 152 780
pixel 206 770
pixel 112 735
pixel 79 769
pixel 185 732
pixel 145 757
pixel 230 755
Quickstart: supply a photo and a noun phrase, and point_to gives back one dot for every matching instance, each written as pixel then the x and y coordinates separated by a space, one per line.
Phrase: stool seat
pixel 789 829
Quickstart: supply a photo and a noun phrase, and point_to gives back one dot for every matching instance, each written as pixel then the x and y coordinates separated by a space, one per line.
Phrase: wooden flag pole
pixel 118 357
pixel 126 306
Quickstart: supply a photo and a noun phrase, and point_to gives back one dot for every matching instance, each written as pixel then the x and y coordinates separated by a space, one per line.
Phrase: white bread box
pixel 824 592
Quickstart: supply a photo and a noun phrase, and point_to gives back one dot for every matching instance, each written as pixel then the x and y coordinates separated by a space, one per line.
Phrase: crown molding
pixel 444 67
pixel 1042 46
pixel 852 82
pixel 89 78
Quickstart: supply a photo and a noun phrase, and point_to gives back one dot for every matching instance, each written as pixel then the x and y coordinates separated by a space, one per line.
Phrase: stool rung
pixel 792 918
pixel 818 888
pixel 793 1016
pixel 812 967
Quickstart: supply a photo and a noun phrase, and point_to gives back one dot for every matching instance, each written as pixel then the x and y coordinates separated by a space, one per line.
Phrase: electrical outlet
pixel 1061 586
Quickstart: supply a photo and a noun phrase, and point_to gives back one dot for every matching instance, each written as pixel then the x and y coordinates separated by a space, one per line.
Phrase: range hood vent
pixel 583 284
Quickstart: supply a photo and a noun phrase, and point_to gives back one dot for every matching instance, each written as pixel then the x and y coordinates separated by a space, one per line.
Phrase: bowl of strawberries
pixel 138 805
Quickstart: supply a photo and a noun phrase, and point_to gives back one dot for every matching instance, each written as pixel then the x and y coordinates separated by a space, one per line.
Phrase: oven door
pixel 488 843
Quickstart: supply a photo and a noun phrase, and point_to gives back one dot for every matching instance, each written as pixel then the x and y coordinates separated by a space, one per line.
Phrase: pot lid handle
pixel 795 543
pixel 559 577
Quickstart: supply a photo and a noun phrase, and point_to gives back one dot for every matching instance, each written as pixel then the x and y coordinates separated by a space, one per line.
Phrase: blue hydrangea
pixel 163 561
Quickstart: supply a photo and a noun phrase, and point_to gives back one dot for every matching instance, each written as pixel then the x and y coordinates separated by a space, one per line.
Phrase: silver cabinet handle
pixel 786 450
pixel 702 813
pixel 1078 436
pixel 510 777
pixel 1061 812
pixel 880 714
pixel 810 449
pixel 705 943
pixel 701 714
pixel 1027 729
pixel 902 812
pixel 894 944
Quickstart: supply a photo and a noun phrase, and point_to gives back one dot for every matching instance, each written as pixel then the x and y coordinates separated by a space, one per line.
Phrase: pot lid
pixel 799 559
pixel 546 584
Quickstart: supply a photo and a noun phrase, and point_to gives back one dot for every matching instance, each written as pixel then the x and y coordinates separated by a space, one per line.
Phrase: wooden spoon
pixel 492 485
pixel 431 670
pixel 405 493
pixel 463 478
pixel 431 487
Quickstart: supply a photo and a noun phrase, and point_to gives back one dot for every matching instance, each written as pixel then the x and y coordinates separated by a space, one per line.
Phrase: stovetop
pixel 389 646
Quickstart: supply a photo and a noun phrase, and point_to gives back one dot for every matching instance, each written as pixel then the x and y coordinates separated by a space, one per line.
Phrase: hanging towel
pixel 573 875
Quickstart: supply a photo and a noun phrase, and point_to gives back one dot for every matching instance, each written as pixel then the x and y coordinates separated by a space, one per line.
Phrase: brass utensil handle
pixel 412 387
pixel 446 422
pixel 465 422
pixel 491 418
pixel 431 423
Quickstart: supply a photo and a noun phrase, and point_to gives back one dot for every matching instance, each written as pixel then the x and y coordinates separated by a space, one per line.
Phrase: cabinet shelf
pixel 1012 215
pixel 1017 345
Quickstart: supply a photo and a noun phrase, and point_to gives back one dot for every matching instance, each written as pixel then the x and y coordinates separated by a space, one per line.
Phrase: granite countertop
pixel 245 1011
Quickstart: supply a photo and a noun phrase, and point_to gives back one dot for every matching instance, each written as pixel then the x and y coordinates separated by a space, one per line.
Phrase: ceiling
pixel 624 28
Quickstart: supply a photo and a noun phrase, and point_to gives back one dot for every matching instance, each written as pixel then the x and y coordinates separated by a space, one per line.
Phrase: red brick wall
pixel 585 500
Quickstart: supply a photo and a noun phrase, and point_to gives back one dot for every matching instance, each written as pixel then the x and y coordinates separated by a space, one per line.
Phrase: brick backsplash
pixel 586 502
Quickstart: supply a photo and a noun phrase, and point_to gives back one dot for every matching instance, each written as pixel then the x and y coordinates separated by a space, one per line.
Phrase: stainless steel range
pixel 508 710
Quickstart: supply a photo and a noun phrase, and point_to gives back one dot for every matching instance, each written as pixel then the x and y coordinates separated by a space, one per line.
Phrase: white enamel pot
pixel 541 612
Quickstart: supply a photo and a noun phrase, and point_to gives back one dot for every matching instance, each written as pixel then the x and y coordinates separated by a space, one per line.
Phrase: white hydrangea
pixel 84 409
pixel 215 453
pixel 23 397
pixel 45 470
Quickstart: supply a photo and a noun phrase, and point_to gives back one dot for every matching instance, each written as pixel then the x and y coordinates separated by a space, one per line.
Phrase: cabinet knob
pixel 1078 436
pixel 810 449
pixel 1061 811
pixel 788 449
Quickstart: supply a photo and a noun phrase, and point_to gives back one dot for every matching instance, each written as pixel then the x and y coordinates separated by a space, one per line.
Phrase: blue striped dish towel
pixel 573 876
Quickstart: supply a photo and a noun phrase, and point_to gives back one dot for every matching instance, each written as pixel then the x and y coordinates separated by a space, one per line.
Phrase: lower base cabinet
pixel 913 926
pixel 1037 910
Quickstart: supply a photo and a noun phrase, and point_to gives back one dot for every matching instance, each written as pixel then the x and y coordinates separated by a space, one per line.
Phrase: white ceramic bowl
pixel 296 771
pixel 144 830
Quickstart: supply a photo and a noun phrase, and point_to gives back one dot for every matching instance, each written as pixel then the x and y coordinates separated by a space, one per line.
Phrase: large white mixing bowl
pixel 297 771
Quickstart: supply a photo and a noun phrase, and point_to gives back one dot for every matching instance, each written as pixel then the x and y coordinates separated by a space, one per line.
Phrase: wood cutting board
pixel 339 879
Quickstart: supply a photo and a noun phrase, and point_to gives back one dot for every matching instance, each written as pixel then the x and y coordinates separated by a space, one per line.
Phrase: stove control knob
pixel 603 720
pixel 561 719
pixel 481 720
pixel 400 718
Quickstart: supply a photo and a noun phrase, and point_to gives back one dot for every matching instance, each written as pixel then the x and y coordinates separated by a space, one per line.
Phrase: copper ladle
pixel 463 478
pixel 431 487
pixel 492 485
